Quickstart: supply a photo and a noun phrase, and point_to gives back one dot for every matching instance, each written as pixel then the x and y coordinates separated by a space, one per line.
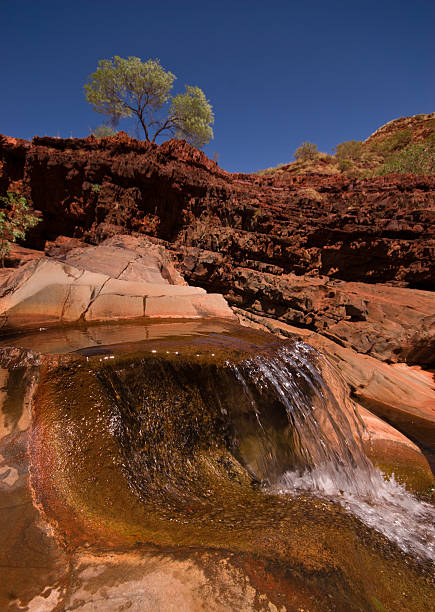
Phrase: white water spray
pixel 330 461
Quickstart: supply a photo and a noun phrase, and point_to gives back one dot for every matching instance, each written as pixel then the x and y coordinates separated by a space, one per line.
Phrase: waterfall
pixel 327 455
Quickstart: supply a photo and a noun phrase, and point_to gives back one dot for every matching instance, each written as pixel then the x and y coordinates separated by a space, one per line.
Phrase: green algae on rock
pixel 127 453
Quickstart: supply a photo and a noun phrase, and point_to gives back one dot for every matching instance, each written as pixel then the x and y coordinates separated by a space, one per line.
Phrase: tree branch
pixel 169 123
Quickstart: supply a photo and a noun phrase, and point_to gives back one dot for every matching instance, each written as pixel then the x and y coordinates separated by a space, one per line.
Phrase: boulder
pixel 123 278
pixel 19 255
pixel 127 258
pixel 395 454
pixel 59 247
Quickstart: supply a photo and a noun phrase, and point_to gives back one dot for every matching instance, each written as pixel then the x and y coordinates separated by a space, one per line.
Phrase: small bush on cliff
pixel 270 170
pixel 395 142
pixel 306 152
pixel 344 165
pixel 15 219
pixel 349 150
pixel 103 131
pixel 132 88
pixel 416 158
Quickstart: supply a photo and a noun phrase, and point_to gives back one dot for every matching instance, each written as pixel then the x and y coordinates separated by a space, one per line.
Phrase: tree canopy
pixel 131 88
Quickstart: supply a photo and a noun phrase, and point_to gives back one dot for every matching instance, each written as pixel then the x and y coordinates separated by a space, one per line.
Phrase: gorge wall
pixel 352 259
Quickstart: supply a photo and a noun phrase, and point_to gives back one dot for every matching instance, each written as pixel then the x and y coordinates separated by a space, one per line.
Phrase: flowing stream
pixel 328 456
pixel 205 437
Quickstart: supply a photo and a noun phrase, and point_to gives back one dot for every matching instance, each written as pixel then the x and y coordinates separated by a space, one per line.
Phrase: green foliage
pixel 344 165
pixel 306 152
pixel 122 87
pixel 192 116
pixel 15 219
pixel 395 142
pixel 103 131
pixel 132 88
pixel 416 158
pixel 258 215
pixel 96 188
pixel 430 140
pixel 349 150
pixel 325 157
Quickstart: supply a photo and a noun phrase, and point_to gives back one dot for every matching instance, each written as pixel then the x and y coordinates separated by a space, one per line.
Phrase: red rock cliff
pixel 293 247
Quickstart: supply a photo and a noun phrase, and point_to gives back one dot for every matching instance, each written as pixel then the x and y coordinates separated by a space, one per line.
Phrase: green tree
pixel 131 88
pixel 15 219
pixel 306 152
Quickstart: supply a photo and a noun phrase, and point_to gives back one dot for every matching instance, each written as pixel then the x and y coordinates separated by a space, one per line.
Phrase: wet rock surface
pixel 157 513
pixel 400 395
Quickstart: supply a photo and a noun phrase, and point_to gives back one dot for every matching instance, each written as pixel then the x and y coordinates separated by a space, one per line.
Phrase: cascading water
pixel 328 455
pixel 227 442
pixel 282 412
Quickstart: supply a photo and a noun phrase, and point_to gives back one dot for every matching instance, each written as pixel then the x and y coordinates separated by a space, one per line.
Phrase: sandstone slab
pixel 127 258
pixel 121 279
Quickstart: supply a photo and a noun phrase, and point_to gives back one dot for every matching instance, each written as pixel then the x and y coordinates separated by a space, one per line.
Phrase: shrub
pixel 258 215
pixel 416 158
pixel 430 140
pixel 396 142
pixel 103 131
pixel 325 157
pixel 349 150
pixel 15 219
pixel 344 165
pixel 306 152
pixel 96 188
pixel 310 194
pixel 270 170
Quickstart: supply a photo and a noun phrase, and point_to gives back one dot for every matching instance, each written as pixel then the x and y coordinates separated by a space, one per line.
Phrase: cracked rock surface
pixel 124 278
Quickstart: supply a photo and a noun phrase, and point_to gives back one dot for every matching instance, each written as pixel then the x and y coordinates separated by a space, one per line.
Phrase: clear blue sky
pixel 277 73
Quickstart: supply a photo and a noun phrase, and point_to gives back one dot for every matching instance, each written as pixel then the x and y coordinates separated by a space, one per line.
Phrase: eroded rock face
pixel 389 323
pixel 348 260
pixel 124 278
pixel 305 249
pixel 369 230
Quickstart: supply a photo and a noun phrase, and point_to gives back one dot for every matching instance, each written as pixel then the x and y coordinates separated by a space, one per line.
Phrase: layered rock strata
pixel 332 254
pixel 366 230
